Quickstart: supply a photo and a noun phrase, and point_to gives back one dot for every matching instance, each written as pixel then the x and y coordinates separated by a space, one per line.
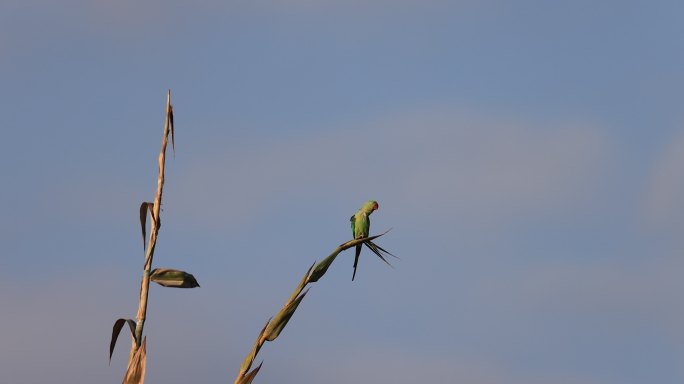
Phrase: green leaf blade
pixel 280 321
pixel 173 278
pixel 322 267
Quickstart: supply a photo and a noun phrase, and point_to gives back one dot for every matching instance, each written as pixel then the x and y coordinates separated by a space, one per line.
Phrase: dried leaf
pixel 118 325
pixel 247 379
pixel 281 319
pixel 247 363
pixel 136 370
pixel 144 208
pixel 173 278
pixel 170 114
pixel 302 284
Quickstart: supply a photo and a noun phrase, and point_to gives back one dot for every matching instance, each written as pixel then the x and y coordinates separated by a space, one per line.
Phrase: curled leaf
pixel 144 208
pixel 170 114
pixel 118 325
pixel 280 321
pixel 173 278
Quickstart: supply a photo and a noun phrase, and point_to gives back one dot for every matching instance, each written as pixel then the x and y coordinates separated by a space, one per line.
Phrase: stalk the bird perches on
pixel 360 225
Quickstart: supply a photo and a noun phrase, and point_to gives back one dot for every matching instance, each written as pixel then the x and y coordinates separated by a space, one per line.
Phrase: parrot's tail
pixel 356 259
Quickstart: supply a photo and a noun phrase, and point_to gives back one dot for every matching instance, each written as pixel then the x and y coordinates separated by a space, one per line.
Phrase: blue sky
pixel 528 156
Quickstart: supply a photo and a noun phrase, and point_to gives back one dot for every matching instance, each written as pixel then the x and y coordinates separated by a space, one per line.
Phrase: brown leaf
pixel 136 370
pixel 173 278
pixel 118 325
pixel 144 208
pixel 170 114
pixel 247 379
pixel 302 283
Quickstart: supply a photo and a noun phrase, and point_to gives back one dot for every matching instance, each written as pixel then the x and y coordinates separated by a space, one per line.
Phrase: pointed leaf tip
pixel 173 144
pixel 247 379
pixel 302 283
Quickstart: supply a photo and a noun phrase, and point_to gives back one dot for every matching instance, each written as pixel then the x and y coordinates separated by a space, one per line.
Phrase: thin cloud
pixel 135 21
pixel 664 196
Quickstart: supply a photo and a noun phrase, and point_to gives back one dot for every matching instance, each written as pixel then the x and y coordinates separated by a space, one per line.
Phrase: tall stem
pixel 145 283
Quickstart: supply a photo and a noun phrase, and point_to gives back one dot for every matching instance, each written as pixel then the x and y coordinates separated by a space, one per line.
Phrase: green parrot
pixel 360 225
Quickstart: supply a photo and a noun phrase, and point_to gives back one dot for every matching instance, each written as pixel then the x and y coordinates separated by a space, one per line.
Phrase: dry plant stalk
pixel 135 373
pixel 275 325
pixel 154 230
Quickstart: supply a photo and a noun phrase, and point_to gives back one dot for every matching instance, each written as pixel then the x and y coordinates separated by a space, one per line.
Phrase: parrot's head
pixel 370 206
